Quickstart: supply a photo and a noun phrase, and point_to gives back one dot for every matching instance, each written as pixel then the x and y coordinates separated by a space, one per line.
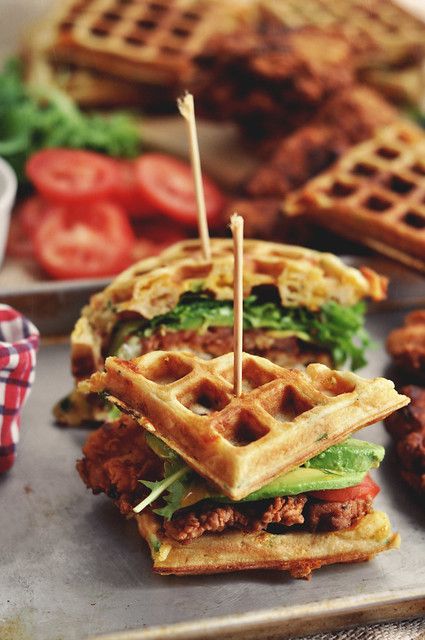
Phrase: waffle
pixel 283 418
pixel 151 287
pixel 380 31
pixel 375 194
pixel 139 41
pixel 299 553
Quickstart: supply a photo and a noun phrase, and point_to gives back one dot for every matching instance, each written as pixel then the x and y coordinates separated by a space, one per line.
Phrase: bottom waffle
pixel 298 553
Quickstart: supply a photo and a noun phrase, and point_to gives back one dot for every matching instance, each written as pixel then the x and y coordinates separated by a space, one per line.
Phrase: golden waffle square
pixel 375 194
pixel 139 40
pixel 302 277
pixel 379 30
pixel 283 417
pixel 299 553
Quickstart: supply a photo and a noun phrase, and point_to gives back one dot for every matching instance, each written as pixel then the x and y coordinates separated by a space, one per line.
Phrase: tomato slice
pixel 166 184
pixel 71 176
pixel 126 191
pixel 31 212
pixel 154 234
pixel 85 242
pixel 366 489
pixel 19 244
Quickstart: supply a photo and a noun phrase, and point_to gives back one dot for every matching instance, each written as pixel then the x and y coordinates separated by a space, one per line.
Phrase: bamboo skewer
pixel 422 87
pixel 236 226
pixel 187 109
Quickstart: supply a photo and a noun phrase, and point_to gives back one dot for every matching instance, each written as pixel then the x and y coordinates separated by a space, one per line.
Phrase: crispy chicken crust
pixel 407 427
pixel 116 456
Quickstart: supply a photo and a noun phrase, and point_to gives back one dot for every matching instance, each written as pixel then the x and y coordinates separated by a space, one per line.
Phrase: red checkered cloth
pixel 19 340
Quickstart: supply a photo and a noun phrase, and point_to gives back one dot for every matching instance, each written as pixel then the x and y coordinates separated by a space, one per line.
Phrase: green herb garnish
pixel 335 327
pixel 31 120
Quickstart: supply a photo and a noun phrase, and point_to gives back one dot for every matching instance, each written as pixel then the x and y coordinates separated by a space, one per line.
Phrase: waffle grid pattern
pixel 376 192
pixel 378 25
pixel 282 418
pixel 130 36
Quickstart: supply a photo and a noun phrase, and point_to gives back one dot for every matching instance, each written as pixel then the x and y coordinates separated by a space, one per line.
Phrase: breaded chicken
pixel 116 456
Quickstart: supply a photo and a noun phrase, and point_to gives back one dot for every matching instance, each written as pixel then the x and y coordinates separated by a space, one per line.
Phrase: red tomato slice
pixel 31 212
pixel 166 184
pixel 155 234
pixel 366 489
pixel 19 244
pixel 71 176
pixel 126 191
pixel 89 242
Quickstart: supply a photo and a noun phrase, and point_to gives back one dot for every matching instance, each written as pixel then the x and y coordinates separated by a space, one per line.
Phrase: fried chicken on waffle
pixel 179 301
pixel 226 490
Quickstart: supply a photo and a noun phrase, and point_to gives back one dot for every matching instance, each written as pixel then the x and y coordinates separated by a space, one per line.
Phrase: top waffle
pixel 140 40
pixel 283 418
pixel 374 194
pixel 151 287
pixel 379 30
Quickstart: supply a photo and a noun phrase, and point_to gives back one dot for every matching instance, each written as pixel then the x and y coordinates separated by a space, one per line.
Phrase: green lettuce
pixel 31 120
pixel 178 477
pixel 335 327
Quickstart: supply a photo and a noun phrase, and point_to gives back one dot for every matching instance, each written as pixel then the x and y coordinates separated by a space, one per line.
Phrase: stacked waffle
pixel 125 51
pixel 180 301
pixel 240 464
pixel 388 42
pixel 142 52
pixel 374 194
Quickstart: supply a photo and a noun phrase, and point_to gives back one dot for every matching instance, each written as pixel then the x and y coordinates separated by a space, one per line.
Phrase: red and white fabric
pixel 19 340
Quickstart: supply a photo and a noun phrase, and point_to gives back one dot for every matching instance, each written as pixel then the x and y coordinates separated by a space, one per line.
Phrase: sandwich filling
pixel 330 492
pixel 286 335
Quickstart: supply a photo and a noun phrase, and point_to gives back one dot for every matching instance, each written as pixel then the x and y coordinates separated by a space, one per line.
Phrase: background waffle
pixel 375 194
pixel 89 88
pixel 283 417
pixel 140 41
pixel 151 287
pixel 380 30
pixel 299 553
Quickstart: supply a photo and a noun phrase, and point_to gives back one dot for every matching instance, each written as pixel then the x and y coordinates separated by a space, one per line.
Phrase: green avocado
pixel 351 455
pixel 301 480
pixel 339 466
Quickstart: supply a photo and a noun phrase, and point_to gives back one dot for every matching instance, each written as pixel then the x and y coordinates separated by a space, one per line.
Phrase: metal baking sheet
pixel 71 567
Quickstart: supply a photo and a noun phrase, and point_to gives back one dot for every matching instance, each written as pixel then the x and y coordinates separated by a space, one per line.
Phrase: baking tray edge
pixel 288 622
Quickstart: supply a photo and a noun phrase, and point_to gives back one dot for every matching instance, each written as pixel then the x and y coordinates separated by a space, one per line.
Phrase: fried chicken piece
pixel 409 418
pixel 347 118
pixel 335 516
pixel 116 456
pixel 192 524
pixel 271 79
pixel 407 344
pixel 407 426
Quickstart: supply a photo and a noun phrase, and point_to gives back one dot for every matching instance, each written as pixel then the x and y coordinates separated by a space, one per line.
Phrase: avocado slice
pixel 341 465
pixel 351 455
pixel 304 479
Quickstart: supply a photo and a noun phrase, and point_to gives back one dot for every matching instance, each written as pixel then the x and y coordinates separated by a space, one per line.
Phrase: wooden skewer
pixel 236 226
pixel 187 109
pixel 422 87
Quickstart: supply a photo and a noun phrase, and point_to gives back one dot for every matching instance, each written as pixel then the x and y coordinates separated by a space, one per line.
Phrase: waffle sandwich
pixel 148 42
pixel 238 472
pixel 381 32
pixel 300 306
pixel 374 194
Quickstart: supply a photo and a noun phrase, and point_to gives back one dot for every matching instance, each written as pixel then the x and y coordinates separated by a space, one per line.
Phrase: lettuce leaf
pixel 31 120
pixel 353 457
pixel 335 327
